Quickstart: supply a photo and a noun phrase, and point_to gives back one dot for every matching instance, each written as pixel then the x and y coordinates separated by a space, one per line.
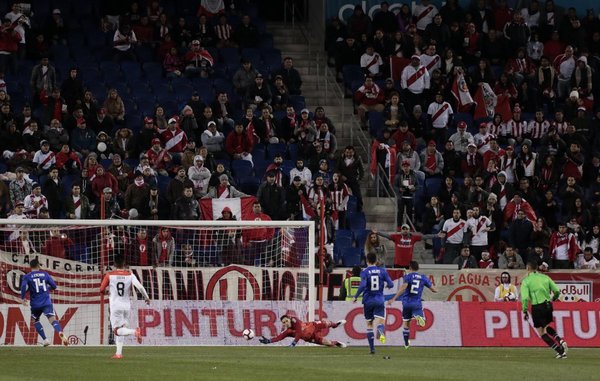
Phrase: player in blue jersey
pixel 411 292
pixel 39 283
pixel 372 281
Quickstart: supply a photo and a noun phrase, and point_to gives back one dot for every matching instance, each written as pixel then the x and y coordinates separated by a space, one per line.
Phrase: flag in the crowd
pixel 241 207
pixel 460 90
pixel 485 100
pixel 503 107
pixel 397 64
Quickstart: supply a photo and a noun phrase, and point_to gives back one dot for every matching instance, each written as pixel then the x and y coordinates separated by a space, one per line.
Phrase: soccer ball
pixel 248 334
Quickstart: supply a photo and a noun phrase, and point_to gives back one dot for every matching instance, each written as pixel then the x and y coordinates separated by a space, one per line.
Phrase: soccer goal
pixel 207 280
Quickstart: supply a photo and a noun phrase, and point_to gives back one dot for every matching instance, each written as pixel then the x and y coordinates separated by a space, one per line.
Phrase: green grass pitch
pixel 301 363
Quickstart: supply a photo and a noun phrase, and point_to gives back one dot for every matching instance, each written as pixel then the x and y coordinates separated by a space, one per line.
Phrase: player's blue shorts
pixel 46 310
pixel 410 309
pixel 373 310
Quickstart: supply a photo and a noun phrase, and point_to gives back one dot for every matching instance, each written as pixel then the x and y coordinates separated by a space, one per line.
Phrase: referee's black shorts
pixel 541 314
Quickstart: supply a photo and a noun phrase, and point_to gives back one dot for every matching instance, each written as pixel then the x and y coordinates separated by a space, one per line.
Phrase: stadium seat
pixel 298 102
pixel 376 123
pixel 352 73
pixel 60 53
pixel 152 70
pixel 343 240
pixel 248 184
pixel 230 56
pixel 241 168
pixel 274 149
pixel 432 187
pixel 293 151
pixel 361 236
pixel 253 55
pixel 357 221
pixel 132 70
pixel 352 256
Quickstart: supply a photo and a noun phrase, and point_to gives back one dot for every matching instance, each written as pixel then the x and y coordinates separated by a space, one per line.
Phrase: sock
pixel 553 344
pixel 57 326
pixel 40 329
pixel 371 338
pixel 125 331
pixel 381 329
pixel 119 341
pixel 553 334
pixel 406 334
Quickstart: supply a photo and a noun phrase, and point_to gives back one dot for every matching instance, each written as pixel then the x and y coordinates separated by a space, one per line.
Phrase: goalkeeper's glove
pixel 264 340
pixel 525 315
pixel 293 344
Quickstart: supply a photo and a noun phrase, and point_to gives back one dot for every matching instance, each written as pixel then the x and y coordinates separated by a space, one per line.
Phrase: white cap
pixel 172 120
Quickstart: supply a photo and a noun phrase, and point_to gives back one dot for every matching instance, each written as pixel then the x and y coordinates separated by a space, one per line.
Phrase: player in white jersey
pixel 119 282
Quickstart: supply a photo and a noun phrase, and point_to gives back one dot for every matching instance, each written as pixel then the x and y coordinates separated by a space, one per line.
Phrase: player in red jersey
pixel 307 331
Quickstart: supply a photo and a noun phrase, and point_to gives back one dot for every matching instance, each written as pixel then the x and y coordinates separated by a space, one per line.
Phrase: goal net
pixel 207 280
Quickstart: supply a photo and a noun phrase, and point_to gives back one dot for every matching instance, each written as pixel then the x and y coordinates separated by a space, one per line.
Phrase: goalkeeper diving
pixel 311 332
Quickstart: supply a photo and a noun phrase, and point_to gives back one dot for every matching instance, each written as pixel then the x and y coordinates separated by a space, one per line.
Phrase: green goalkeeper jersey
pixel 536 289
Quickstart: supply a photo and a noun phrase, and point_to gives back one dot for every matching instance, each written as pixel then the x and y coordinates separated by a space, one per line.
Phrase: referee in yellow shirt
pixel 536 288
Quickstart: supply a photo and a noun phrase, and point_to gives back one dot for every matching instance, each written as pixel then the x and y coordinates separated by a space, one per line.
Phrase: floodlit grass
pixel 301 363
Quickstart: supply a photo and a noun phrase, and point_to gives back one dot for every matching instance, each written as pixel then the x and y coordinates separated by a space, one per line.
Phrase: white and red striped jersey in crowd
pixel 561 127
pixel 516 128
pixel 416 80
pixel 483 141
pixel 454 230
pixel 537 129
pixel 564 65
pixel 431 62
pixel 339 196
pixel 529 163
pixel 223 31
pixel 508 164
pixel 497 129
pixel 439 114
pixel 175 140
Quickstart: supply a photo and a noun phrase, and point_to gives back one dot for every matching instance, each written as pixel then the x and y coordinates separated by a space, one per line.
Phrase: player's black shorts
pixel 541 314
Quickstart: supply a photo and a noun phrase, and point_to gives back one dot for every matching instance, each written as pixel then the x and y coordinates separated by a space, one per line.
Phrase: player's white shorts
pixel 119 318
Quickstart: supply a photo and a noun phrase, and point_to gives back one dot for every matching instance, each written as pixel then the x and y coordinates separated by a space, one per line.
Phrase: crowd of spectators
pixel 514 186
pixel 153 110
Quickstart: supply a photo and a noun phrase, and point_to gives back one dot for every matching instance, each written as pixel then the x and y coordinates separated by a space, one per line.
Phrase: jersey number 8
pixel 374 283
pixel 121 288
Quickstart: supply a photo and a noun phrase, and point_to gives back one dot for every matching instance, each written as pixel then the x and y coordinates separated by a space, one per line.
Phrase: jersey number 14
pixel 40 284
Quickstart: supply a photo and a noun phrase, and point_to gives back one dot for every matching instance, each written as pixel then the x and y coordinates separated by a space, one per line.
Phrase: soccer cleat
pixel 565 346
pixel 561 356
pixel 117 357
pixel 339 323
pixel 46 342
pixel 407 346
pixel 420 321
pixel 382 338
pixel 372 351
pixel 138 335
pixel 339 344
pixel 64 339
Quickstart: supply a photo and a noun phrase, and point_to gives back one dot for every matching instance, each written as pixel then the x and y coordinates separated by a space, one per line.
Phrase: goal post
pixel 207 280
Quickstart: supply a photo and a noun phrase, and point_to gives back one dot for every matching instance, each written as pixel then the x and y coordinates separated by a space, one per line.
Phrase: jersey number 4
pixel 121 288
